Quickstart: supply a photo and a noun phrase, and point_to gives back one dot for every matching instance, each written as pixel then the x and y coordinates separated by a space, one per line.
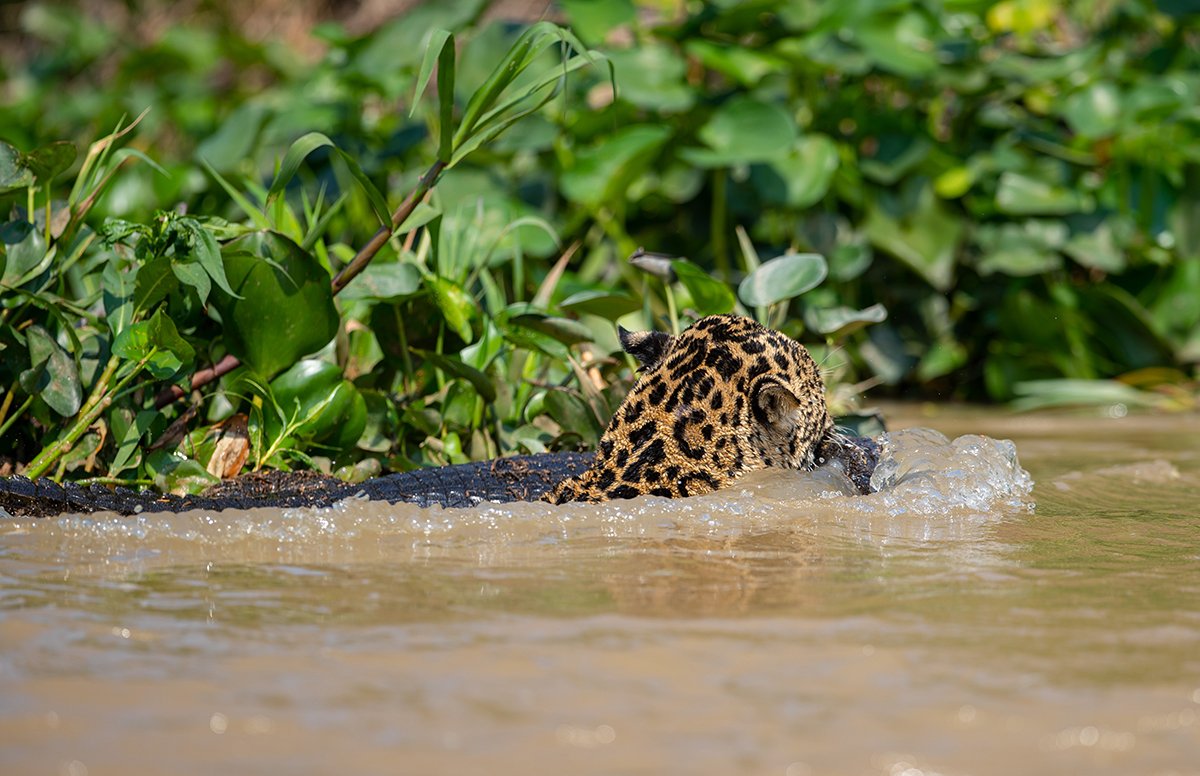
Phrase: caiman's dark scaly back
pixel 725 397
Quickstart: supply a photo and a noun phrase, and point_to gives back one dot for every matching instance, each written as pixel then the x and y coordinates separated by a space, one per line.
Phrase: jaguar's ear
pixel 774 402
pixel 647 347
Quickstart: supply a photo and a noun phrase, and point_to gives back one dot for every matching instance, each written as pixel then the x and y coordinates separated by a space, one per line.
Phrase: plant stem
pixel 368 251
pixel 720 213
pixel 114 481
pixel 15 415
pixel 671 313
pixel 97 403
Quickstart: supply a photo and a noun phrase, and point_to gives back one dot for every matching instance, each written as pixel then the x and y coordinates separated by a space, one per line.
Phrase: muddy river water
pixel 979 615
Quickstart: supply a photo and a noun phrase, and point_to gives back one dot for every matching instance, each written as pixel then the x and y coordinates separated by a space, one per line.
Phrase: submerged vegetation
pixel 413 249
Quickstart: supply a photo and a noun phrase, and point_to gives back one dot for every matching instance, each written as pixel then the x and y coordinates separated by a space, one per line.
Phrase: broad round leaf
pixel 709 295
pixel 390 282
pixel 926 238
pixel 23 257
pixel 49 160
pixel 807 171
pixel 742 131
pixel 783 277
pixel 652 76
pixel 604 170
pixel 1019 194
pixel 572 413
pixel 837 322
pixel 53 375
pixel 286 310
pixel 1094 112
pixel 14 174
pixel 316 392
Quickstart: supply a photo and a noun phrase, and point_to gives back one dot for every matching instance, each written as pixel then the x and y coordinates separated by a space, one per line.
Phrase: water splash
pixel 922 471
pixel 925 484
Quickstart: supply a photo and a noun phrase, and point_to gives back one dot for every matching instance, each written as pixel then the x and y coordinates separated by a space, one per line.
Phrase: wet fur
pixel 725 397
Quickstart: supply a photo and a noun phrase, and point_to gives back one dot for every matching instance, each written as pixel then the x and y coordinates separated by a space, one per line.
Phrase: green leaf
pixel 286 308
pixel 1095 111
pixel 421 215
pixel 296 154
pixel 1039 394
pixel 174 473
pixel 437 41
pixel 564 330
pixel 607 304
pixel 652 76
pixel 234 141
pixel 526 47
pixel 385 282
pixel 439 49
pixel 299 151
pixel 1097 249
pixel 573 414
pixel 14 175
pixel 742 131
pixel 838 322
pixel 1019 194
pixel 532 339
pixel 153 283
pixel 23 257
pixel 480 381
pixel 926 238
pixel 128 435
pixel 117 285
pixel 602 172
pixel 256 215
pixel 710 296
pixel 191 274
pixel 54 375
pixel 50 160
pixel 901 45
pixel 1021 249
pixel 207 252
pixel 457 306
pixel 942 358
pixel 782 278
pixel 955 182
pixel 592 19
pixel 808 169
pixel 315 394
pixel 896 156
pixel 745 65
pixel 156 341
pixel 13 232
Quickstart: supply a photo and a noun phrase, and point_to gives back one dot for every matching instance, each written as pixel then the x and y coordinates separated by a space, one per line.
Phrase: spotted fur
pixel 725 397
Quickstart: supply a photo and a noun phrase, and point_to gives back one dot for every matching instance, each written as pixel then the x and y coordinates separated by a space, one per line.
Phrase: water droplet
pixel 218 723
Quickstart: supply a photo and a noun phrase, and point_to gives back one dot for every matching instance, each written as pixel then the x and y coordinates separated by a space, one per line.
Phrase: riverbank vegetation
pixel 411 246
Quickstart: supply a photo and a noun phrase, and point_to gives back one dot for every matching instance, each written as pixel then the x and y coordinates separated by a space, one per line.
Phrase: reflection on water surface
pixel 962 620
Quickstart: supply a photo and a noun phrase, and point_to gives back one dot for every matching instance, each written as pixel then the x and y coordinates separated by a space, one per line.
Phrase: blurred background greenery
pixel 1005 196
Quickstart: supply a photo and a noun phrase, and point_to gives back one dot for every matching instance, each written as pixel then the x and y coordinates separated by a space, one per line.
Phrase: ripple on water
pixel 922 476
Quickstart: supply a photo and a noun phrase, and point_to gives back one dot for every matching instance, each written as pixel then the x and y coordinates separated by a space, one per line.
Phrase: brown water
pixel 954 623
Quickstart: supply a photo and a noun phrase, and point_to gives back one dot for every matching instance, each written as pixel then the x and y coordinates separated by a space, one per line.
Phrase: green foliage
pixel 971 200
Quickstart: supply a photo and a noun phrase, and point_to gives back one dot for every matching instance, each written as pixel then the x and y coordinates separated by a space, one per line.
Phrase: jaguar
pixel 722 398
